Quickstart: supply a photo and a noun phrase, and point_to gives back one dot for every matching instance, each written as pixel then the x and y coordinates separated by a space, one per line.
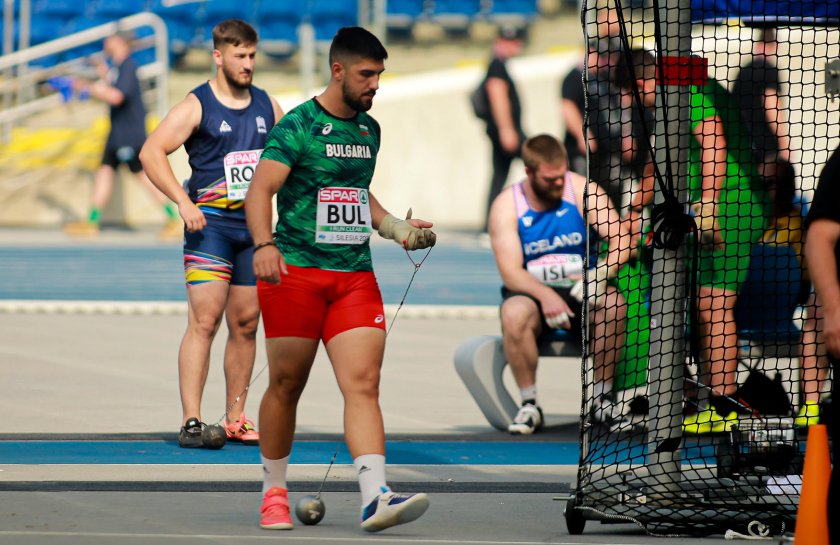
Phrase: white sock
pixel 274 473
pixel 529 392
pixel 370 469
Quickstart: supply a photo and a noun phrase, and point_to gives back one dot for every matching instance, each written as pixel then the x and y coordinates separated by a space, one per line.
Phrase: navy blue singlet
pixel 225 150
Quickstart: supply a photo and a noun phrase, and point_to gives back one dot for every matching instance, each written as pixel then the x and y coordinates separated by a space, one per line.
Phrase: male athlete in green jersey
pixel 315 277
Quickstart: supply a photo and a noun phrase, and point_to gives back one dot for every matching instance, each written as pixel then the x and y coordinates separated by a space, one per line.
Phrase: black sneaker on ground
pixel 528 420
pixel 190 436
pixel 635 419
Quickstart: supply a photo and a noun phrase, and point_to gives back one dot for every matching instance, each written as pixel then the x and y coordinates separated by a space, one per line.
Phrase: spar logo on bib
pixel 349 195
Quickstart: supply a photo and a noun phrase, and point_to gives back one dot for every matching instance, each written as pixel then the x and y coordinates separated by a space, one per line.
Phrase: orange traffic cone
pixel 812 515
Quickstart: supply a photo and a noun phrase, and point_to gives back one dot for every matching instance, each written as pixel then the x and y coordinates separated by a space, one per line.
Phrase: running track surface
pixel 457 273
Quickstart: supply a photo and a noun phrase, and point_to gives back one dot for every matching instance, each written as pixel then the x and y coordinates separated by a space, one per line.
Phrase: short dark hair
pixel 234 32
pixel 543 148
pixel 641 66
pixel 353 42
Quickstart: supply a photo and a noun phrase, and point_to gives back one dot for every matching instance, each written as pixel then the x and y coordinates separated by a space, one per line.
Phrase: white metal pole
pixel 668 277
pixel 308 58
pixel 8 44
pixel 380 9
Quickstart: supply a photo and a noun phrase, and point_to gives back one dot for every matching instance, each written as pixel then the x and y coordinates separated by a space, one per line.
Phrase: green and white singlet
pixel 323 207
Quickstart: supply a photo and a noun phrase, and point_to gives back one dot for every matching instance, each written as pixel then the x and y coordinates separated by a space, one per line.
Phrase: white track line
pixel 238 538
pixel 156 308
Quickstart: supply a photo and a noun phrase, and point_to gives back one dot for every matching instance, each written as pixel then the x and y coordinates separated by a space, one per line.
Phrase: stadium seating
pixel 456 15
pixel 79 24
pixel 44 29
pixel 65 10
pixel 520 13
pixel 327 16
pixel 183 23
pixel 146 55
pixel 401 15
pixel 111 10
pixel 277 24
pixel 216 11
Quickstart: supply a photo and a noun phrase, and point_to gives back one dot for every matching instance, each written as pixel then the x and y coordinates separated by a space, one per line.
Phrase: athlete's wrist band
pixel 264 245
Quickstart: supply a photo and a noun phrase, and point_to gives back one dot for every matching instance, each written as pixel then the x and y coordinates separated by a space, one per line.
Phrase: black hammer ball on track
pixel 213 437
pixel 310 510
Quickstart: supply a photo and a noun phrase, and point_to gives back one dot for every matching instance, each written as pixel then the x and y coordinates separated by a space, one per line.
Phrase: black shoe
pixel 634 419
pixel 604 410
pixel 528 420
pixel 190 436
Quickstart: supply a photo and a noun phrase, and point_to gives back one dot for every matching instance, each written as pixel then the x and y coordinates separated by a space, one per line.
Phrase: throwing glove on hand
pixel 597 285
pixel 405 234
pixel 708 230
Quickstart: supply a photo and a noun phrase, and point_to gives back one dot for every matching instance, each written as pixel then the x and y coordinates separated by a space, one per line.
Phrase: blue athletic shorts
pixel 220 251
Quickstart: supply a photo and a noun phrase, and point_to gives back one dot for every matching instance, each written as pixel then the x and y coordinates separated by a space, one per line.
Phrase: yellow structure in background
pixel 47 172
pixel 58 147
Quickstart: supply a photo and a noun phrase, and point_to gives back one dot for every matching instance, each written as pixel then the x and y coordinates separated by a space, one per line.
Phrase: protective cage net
pixel 704 367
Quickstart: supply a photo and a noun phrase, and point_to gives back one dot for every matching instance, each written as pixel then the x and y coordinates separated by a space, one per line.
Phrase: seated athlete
pixel 538 231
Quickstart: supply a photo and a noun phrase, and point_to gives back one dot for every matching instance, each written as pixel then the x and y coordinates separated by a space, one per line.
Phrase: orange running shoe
pixel 274 513
pixel 82 229
pixel 243 430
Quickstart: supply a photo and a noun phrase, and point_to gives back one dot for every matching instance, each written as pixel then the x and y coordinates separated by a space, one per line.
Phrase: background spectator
pixel 119 87
pixel 758 89
pixel 504 124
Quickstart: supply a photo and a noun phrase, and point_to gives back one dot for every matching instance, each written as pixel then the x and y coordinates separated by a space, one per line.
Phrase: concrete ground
pixel 79 382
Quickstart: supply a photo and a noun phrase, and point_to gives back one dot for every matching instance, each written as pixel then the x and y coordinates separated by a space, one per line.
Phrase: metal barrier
pixel 18 80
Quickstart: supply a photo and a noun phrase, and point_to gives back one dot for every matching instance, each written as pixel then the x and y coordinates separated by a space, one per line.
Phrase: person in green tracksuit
pixel 731 209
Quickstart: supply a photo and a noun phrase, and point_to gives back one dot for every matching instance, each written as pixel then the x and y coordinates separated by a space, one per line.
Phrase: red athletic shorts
pixel 318 304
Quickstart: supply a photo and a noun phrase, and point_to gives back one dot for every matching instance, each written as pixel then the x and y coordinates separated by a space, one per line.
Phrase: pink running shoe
pixel 274 513
pixel 243 430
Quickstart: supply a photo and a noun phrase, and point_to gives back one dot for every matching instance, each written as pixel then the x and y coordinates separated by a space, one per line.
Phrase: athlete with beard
pixel 223 125
pixel 538 232
pixel 316 280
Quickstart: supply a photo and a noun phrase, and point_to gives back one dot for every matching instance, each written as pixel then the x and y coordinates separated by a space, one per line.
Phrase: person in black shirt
pixel 504 122
pixel 119 87
pixel 759 92
pixel 604 130
pixel 822 251
pixel 572 108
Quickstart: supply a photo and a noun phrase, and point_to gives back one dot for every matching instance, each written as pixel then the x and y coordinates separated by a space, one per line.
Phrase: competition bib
pixel 557 270
pixel 239 169
pixel 343 216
